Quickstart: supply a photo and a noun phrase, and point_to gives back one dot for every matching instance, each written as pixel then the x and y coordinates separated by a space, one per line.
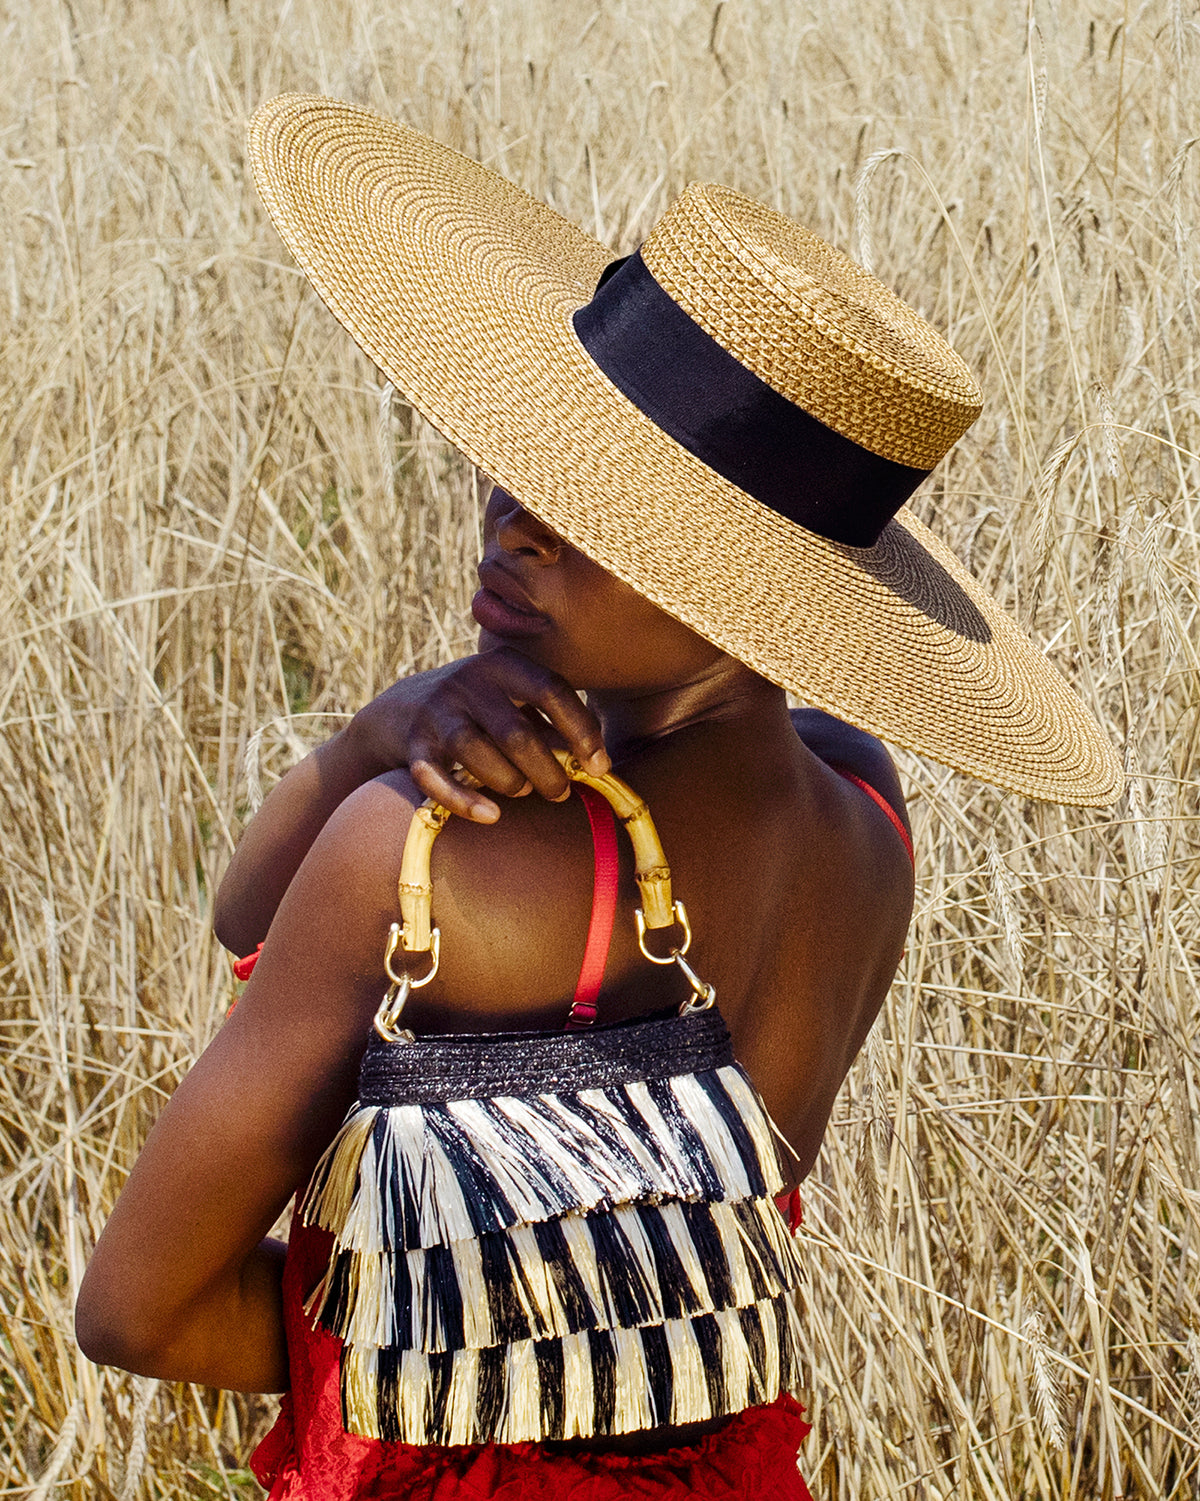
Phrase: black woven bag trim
pixel 483 1065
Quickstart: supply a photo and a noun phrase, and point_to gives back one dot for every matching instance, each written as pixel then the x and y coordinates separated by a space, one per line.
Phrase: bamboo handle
pixel 650 863
pixel 416 884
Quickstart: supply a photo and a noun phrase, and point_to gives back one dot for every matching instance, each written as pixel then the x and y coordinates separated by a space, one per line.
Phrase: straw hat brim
pixel 461 289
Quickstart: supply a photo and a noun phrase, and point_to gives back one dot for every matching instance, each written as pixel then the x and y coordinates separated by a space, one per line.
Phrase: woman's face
pixel 546 599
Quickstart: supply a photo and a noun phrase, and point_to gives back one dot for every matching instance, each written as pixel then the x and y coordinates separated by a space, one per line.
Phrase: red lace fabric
pixel 308 1457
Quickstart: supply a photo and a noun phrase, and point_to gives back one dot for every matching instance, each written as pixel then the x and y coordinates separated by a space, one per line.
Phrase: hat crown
pixel 815 326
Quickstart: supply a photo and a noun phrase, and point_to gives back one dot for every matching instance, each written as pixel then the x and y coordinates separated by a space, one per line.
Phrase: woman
pixel 710 440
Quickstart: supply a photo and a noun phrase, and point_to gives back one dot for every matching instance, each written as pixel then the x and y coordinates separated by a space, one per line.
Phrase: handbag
pixel 550 1235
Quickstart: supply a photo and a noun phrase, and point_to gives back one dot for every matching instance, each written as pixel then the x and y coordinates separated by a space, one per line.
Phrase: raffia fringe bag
pixel 549 1235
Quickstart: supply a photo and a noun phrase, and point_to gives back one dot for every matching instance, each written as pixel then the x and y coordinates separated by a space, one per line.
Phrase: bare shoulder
pixel 511 901
pixel 866 861
pixel 317 980
pixel 863 866
pixel 839 942
pixel 346 886
pixel 846 747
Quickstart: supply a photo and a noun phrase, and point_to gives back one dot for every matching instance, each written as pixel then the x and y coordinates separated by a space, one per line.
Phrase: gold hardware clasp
pixel 389 1011
pixel 703 995
pixel 396 941
pixel 679 913
pixel 396 996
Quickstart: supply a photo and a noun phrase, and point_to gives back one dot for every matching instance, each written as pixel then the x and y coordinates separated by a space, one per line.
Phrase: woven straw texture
pixel 814 325
pixel 461 288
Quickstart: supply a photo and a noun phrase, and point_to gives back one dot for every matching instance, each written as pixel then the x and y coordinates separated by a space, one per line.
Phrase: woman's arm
pixel 468 713
pixel 182 1285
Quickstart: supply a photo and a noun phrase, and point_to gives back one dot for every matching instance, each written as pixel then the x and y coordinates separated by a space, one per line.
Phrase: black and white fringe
pixel 408 1176
pixel 627 1268
pixel 580 1386
pixel 556 1264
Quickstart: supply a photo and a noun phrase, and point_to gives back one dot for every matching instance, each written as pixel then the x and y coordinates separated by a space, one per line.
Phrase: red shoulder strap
pixel 604 909
pixel 878 797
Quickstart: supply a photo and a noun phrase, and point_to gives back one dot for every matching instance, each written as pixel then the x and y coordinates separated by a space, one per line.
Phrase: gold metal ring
pixel 396 941
pixel 679 913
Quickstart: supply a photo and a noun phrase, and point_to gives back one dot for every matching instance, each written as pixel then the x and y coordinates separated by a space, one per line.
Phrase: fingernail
pixel 598 763
pixel 524 789
pixel 563 796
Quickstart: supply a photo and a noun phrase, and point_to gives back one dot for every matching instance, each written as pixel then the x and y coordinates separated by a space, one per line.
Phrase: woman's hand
pixel 497 715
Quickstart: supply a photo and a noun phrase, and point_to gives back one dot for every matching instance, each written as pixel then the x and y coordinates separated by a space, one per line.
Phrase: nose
pixel 519 532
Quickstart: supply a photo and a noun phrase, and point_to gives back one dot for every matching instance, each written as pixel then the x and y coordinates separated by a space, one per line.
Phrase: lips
pixel 502 606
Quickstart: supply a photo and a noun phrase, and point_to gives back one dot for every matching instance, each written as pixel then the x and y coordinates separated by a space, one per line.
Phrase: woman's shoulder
pixel 790 867
pixel 770 850
pixel 823 800
pixel 511 900
pixel 854 754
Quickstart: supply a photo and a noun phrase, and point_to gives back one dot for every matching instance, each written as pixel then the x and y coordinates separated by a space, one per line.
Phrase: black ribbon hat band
pixel 732 420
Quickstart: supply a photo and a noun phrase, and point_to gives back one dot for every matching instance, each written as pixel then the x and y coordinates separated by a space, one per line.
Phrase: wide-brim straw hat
pixel 726 423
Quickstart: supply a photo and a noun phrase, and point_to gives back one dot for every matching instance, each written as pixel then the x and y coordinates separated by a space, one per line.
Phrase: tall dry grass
pixel 211 532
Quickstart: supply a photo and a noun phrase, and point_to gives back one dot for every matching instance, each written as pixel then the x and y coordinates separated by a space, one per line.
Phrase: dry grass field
pixel 220 535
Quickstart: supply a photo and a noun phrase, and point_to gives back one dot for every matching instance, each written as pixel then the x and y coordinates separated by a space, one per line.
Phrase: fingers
pixel 499 717
pixel 506 752
pixel 508 749
pixel 527 683
pixel 438 783
pixel 497 745
pixel 578 726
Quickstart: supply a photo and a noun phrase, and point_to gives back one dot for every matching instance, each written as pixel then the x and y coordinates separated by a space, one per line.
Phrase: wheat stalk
pixel 63 1447
pixel 220 535
pixel 1047 1391
pixel 1003 891
pixel 135 1458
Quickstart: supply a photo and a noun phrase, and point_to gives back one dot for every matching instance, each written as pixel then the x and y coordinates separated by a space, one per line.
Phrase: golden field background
pixel 220 532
